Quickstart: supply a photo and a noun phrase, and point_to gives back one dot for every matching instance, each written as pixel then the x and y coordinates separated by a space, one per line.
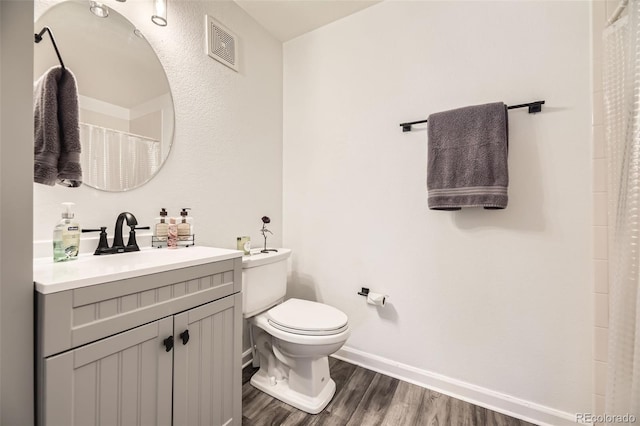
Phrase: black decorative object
pixel 264 230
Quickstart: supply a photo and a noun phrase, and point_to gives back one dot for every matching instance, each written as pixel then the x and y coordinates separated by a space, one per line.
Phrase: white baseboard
pixel 483 397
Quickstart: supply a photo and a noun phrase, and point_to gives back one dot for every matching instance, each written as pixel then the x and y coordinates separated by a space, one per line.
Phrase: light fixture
pixel 99 9
pixel 159 16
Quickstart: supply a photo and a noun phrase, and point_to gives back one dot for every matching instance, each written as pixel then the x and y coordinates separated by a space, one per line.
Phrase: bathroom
pixel 504 308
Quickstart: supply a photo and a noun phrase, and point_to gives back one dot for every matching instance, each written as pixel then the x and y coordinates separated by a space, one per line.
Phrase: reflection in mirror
pixel 126 108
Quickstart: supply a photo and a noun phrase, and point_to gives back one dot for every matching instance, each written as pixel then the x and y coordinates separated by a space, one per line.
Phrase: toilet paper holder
pixel 364 292
pixel 373 298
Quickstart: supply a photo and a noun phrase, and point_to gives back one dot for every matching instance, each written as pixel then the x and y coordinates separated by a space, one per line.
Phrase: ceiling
pixel 287 19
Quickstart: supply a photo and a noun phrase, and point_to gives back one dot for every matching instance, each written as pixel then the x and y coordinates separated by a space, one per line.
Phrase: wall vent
pixel 222 44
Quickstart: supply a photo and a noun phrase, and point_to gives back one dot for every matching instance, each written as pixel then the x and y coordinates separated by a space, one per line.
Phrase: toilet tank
pixel 264 280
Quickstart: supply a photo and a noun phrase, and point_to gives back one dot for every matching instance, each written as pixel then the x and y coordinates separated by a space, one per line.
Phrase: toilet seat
pixel 307 318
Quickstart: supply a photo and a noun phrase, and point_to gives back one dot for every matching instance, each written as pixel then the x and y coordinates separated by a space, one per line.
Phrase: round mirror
pixel 126 108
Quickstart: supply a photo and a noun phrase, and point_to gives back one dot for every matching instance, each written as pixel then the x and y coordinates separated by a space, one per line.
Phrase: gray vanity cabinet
pixel 124 379
pixel 207 367
pixel 160 349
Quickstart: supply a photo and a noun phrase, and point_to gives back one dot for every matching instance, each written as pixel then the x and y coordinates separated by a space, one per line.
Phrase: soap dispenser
pixel 172 234
pixel 66 236
pixel 161 228
pixel 185 226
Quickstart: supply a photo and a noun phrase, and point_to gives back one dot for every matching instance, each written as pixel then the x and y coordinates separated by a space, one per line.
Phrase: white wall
pixel 16 175
pixel 226 160
pixel 499 300
pixel 103 120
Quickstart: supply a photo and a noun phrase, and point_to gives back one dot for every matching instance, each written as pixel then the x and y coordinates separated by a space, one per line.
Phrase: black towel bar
pixel 533 108
pixel 38 39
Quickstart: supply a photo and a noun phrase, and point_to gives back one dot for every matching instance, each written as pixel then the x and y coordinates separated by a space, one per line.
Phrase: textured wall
pixel 226 160
pixel 500 300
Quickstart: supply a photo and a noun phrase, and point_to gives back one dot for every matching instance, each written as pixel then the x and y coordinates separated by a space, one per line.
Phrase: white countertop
pixel 87 270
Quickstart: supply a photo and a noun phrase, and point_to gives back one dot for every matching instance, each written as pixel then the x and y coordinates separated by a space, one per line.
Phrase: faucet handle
pixel 132 244
pixel 102 229
pixel 103 244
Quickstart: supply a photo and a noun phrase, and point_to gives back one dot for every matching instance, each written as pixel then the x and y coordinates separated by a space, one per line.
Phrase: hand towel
pixel 467 158
pixel 56 129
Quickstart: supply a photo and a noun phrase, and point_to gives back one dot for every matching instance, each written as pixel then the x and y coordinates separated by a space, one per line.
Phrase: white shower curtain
pixel 115 161
pixel 622 132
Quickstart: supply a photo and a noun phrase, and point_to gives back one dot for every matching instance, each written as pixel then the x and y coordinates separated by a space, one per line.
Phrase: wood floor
pixel 364 397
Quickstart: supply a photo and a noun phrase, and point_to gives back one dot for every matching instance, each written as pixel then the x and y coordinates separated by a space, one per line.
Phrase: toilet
pixel 291 339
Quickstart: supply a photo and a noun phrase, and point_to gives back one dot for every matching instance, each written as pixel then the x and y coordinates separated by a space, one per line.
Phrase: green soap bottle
pixel 66 236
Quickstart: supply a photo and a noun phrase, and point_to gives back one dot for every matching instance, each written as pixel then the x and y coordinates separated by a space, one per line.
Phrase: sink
pixel 87 270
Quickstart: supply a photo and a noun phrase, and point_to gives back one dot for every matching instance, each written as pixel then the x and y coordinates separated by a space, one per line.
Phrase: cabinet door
pixel 121 380
pixel 207 369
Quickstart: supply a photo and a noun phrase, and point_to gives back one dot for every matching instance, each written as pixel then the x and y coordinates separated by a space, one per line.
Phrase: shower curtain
pixel 115 161
pixel 621 78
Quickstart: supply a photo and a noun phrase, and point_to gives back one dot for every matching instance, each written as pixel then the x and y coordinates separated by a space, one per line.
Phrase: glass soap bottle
pixel 185 226
pixel 244 244
pixel 162 227
pixel 66 236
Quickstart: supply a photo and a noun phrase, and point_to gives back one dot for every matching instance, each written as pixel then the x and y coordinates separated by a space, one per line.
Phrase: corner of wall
pixel 16 189
pixel 599 13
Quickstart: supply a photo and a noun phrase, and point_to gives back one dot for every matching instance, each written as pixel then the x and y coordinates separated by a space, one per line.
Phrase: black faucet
pixel 118 243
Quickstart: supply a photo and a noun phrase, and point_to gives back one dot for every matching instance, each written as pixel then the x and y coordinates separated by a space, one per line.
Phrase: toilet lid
pixel 309 318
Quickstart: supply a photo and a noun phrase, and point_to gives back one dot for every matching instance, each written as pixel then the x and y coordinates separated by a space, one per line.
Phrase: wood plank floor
pixel 364 398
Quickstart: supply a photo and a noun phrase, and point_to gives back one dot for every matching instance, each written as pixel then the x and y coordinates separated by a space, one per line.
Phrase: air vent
pixel 222 44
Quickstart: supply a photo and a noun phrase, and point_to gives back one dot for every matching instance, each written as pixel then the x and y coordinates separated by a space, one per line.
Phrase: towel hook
pixel 38 39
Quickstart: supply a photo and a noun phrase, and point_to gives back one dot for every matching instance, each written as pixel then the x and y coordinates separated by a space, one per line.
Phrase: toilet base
pixel 281 390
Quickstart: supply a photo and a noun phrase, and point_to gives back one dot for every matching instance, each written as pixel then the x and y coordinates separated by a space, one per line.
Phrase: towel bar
pixel 534 107
pixel 38 39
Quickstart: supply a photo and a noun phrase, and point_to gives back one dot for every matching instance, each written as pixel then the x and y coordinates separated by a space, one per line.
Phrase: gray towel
pixel 467 158
pixel 56 129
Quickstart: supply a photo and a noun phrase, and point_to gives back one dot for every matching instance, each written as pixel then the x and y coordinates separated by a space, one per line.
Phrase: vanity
pixel 145 338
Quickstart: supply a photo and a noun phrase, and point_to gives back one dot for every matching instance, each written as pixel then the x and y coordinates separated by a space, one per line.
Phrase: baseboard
pixel 487 398
pixel 483 397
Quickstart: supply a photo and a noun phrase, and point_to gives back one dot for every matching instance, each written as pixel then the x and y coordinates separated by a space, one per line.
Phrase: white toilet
pixel 291 339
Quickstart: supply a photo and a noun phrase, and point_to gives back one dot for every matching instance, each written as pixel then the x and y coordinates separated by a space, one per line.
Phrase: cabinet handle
pixel 185 337
pixel 168 343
